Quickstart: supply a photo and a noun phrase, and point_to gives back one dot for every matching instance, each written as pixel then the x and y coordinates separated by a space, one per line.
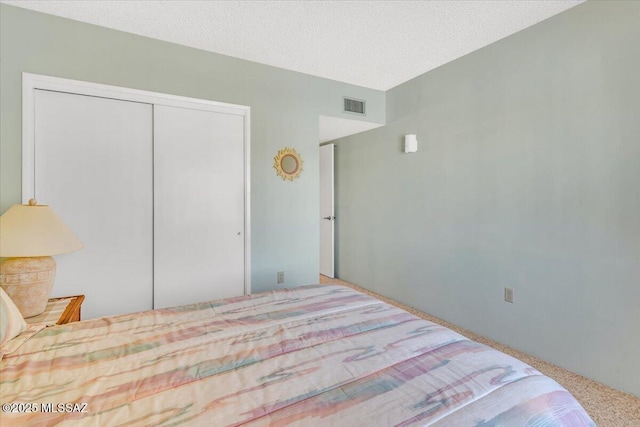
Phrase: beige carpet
pixel 608 407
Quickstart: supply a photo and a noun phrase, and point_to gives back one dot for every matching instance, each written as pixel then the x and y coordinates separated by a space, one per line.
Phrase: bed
pixel 315 355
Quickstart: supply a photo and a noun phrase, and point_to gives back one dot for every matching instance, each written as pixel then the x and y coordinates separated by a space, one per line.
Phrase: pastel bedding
pixel 310 356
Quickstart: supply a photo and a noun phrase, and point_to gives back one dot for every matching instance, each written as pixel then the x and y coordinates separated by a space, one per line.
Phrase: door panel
pixel 93 165
pixel 327 212
pixel 199 206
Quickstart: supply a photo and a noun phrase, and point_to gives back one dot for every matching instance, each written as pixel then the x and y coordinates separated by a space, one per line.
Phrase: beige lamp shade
pixel 29 235
pixel 33 231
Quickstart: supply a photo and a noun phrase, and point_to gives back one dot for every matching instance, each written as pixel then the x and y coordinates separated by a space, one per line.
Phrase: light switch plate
pixel 508 295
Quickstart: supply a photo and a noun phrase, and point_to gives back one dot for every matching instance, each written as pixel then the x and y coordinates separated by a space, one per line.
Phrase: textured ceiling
pixel 376 44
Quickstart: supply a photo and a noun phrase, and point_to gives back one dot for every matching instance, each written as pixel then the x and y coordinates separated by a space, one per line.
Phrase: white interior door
pixel 93 165
pixel 199 206
pixel 327 213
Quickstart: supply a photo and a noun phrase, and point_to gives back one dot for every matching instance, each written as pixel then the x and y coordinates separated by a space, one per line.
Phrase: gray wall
pixel 527 176
pixel 285 107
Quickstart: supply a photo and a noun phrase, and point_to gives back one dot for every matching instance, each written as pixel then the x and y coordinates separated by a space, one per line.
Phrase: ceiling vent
pixel 355 106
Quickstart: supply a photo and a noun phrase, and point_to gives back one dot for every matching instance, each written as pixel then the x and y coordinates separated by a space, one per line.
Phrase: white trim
pixel 37 81
pixel 28 142
pixel 32 82
pixel 247 202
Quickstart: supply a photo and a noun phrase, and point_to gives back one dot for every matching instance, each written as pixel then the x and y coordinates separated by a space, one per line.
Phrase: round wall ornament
pixel 288 164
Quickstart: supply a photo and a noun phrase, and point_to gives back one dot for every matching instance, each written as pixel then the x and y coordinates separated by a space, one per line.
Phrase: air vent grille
pixel 355 106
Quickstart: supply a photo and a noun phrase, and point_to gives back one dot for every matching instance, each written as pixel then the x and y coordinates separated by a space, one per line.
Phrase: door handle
pixel 330 218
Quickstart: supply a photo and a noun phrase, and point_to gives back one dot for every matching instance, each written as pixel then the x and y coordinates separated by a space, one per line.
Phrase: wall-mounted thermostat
pixel 410 144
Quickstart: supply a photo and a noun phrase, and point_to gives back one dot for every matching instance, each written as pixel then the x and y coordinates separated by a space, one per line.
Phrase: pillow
pixel 11 320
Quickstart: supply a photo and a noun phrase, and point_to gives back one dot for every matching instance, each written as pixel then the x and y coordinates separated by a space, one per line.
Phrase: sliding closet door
pixel 199 206
pixel 93 165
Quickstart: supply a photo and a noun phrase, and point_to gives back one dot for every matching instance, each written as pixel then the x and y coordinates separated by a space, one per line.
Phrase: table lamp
pixel 29 235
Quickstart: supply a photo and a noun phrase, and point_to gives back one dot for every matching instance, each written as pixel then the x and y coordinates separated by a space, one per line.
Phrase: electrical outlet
pixel 508 295
pixel 280 276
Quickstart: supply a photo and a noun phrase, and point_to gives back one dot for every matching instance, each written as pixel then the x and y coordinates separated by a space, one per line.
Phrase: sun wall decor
pixel 288 164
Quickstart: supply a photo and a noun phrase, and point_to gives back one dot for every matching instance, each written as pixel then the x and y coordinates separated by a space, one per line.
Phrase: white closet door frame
pixel 31 82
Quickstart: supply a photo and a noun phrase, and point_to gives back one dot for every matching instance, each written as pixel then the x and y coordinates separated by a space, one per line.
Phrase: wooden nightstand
pixel 60 311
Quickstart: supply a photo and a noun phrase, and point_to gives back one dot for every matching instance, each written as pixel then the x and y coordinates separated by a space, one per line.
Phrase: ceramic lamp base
pixel 28 282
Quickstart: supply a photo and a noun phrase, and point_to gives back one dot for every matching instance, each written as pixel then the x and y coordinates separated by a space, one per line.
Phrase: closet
pixel 154 185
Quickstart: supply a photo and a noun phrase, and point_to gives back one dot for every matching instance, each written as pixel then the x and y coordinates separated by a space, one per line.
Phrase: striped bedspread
pixel 311 356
